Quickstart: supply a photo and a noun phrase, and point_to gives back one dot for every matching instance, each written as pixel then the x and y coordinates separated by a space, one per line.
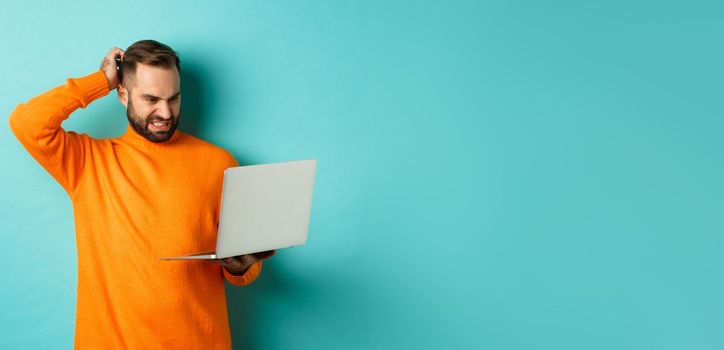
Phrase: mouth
pixel 160 125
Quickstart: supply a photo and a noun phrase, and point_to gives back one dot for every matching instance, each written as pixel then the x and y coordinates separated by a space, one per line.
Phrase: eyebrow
pixel 158 98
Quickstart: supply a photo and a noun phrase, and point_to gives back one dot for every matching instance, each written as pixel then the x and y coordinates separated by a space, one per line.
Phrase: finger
pixel 225 263
pixel 219 260
pixel 264 255
pixel 233 262
pixel 233 259
pixel 109 61
pixel 248 259
pixel 113 53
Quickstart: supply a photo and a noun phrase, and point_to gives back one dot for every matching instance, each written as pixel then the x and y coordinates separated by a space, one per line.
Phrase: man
pixel 152 192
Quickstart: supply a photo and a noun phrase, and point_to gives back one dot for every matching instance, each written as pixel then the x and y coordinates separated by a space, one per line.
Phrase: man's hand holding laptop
pixel 237 265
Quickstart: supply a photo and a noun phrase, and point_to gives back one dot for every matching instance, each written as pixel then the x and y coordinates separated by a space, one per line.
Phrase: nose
pixel 164 111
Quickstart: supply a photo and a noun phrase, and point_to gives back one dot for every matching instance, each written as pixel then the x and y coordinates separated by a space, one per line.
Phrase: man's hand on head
pixel 108 66
pixel 237 265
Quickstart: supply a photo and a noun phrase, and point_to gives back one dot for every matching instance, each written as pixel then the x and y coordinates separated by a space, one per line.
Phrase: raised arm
pixel 37 123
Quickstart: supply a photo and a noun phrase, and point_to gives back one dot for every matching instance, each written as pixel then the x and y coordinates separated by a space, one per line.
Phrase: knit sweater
pixel 135 201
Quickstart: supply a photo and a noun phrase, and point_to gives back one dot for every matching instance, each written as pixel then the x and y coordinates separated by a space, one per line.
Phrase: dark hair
pixel 148 52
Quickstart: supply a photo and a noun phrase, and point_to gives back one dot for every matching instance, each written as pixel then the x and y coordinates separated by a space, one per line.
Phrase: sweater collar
pixel 132 137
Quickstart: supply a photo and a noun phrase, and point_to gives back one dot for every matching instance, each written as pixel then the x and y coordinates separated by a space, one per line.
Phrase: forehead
pixel 162 82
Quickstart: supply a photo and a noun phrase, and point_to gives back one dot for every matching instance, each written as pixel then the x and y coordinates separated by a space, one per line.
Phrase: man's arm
pixel 243 269
pixel 246 278
pixel 36 124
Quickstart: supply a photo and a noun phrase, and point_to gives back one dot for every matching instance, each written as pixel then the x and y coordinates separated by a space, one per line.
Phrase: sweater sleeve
pixel 249 276
pixel 36 124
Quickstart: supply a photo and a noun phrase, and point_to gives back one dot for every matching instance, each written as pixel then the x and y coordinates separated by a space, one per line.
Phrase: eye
pixel 152 100
pixel 175 98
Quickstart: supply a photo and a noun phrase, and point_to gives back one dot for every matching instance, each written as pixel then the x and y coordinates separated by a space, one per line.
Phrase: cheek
pixel 143 116
pixel 144 112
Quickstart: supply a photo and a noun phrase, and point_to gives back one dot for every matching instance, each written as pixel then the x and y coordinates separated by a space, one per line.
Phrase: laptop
pixel 263 207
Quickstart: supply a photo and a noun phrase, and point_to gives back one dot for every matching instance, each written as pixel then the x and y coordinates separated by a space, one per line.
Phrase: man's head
pixel 151 89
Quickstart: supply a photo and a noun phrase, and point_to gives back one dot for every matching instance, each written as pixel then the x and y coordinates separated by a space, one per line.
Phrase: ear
pixel 123 95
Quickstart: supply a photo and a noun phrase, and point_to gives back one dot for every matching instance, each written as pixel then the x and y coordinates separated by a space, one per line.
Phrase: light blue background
pixel 492 175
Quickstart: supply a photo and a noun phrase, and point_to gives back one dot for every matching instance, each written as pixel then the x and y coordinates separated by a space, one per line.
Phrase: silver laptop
pixel 263 207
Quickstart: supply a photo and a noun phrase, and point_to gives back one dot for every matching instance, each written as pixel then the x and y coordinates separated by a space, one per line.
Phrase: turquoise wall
pixel 492 174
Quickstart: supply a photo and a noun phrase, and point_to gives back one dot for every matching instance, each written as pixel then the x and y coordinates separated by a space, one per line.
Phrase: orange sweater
pixel 133 202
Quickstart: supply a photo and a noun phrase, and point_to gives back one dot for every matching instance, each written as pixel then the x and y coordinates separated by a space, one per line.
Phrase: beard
pixel 140 125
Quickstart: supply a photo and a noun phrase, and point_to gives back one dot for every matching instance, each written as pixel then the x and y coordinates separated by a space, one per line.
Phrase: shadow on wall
pixel 286 295
pixel 244 305
pixel 192 100
pixel 196 117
